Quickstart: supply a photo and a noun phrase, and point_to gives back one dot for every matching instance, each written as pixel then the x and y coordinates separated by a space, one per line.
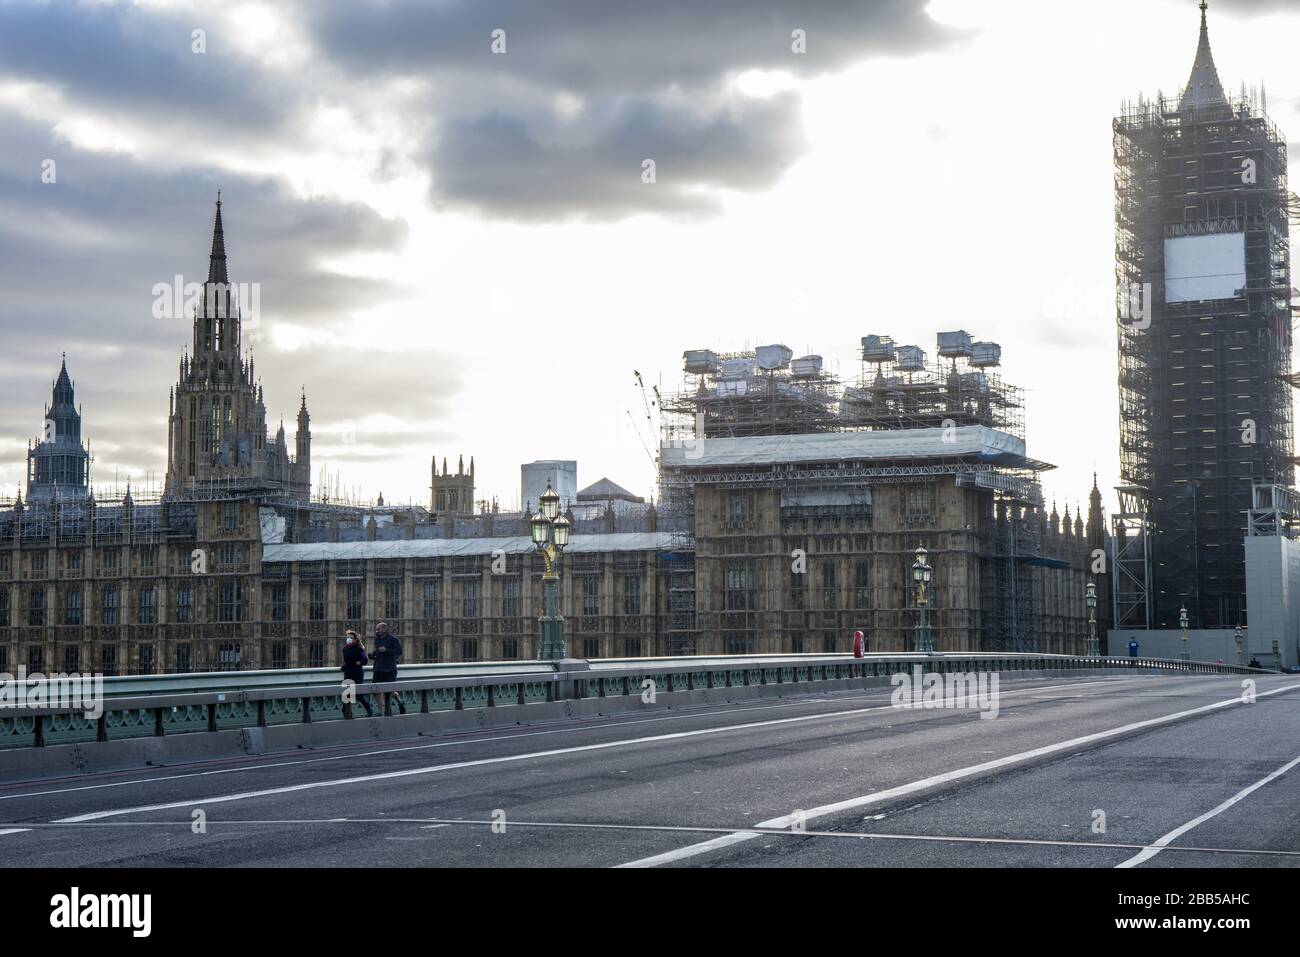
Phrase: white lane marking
pixel 1151 850
pixel 14 830
pixel 505 759
pixel 472 739
pixel 757 831
pixel 890 794
pixel 703 712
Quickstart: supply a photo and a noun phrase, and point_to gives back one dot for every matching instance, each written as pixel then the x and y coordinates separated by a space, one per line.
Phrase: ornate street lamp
pixel 921 575
pixel 1090 601
pixel 550 531
pixel 1182 623
pixel 1241 647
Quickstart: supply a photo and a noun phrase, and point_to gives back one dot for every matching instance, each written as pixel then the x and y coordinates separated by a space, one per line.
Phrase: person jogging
pixel 354 665
pixel 386 652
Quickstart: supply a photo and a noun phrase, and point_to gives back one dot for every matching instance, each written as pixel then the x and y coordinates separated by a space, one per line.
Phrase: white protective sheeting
pixel 272 525
pixel 1204 267
pixel 883 445
pixel 444 547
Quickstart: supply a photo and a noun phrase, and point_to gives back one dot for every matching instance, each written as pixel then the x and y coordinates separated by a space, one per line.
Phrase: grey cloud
pixel 496 163
pixel 1253 7
pixel 636 75
pixel 123 58
pixel 488 127
pixel 589 46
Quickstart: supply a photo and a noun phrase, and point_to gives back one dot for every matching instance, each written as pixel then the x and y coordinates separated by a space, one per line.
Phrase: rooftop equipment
pixel 954 345
pixel 773 357
pixel 877 349
pixel 909 359
pixel 985 354
pixel 737 368
pixel 701 361
pixel 807 367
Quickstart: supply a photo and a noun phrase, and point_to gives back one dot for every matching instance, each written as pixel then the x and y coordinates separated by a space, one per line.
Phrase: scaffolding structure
pixel 1204 384
pixel 857 519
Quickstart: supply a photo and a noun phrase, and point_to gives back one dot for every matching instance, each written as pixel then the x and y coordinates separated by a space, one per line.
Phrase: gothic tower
pixel 1203 267
pixel 58 465
pixel 452 493
pixel 216 428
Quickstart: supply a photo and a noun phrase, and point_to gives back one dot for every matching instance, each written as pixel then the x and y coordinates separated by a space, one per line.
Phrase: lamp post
pixel 1182 623
pixel 550 532
pixel 1241 646
pixel 921 574
pixel 1090 601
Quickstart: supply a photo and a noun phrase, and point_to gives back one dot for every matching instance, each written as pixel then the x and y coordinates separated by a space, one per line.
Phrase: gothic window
pixel 510 600
pixel 738 593
pixel 230 602
pixel 862 584
pixel 36 610
pixel 108 607
pixel 108 661
pixel 830 597
pixel 72 608
pixel 631 595
pixel 431 600
pixel 798 600
pixel 316 602
pixel 184 605
pixel 469 600
pixel 279 602
pixel 356 604
pixel 590 595
pixel 393 600
pixel 228 656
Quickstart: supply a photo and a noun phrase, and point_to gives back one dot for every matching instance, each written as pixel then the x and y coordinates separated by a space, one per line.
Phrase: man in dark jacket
pixel 387 650
pixel 354 665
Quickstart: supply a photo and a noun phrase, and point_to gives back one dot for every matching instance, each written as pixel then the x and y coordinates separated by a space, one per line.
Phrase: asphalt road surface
pixel 1135 771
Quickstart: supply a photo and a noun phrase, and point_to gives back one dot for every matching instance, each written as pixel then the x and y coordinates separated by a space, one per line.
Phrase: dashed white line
pixel 576 728
pixel 877 797
pixel 504 759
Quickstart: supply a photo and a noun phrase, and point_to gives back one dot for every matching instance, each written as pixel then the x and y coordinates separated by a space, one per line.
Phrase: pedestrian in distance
pixel 354 665
pixel 387 651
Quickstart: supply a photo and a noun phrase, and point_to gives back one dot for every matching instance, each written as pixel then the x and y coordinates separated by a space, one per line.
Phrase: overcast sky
pixel 455 247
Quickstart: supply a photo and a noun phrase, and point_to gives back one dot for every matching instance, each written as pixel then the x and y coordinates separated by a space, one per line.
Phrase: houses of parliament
pixel 236 566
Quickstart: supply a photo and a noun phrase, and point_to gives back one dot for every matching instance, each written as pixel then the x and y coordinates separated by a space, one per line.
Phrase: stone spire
pixel 217 260
pixel 1203 87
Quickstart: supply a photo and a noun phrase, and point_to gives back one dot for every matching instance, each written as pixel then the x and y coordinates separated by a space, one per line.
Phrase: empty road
pixel 1132 771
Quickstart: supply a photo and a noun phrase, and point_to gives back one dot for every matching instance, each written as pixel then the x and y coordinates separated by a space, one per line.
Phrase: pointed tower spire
pixel 1203 86
pixel 217 260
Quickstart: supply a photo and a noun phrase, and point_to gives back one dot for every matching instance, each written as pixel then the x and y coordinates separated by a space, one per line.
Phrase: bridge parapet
pixel 306 697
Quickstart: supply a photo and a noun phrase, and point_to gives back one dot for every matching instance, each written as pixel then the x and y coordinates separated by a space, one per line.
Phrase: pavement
pixel 1135 770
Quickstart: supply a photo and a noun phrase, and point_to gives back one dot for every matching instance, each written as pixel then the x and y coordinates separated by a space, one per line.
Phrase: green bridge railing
pixel 159 705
